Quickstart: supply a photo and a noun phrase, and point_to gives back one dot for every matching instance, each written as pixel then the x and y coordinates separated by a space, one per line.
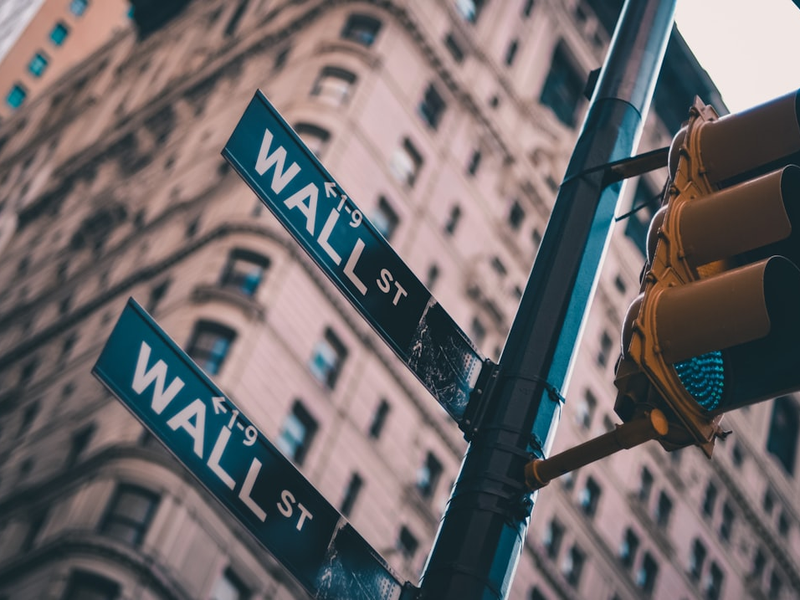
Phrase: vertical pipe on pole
pixel 482 533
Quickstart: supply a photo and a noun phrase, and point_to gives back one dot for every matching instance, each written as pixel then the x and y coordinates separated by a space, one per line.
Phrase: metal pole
pixel 650 426
pixel 482 533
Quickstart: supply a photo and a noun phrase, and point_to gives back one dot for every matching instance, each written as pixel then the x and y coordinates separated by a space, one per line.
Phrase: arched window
pixel 209 345
pixel 315 137
pixel 333 85
pixel 362 29
pixel 244 271
pixel 84 585
pixel 783 429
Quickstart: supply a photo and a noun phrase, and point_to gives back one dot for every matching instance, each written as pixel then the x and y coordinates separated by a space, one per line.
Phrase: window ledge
pixel 209 293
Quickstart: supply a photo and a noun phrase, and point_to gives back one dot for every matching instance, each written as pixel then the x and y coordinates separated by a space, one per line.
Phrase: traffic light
pixel 717 324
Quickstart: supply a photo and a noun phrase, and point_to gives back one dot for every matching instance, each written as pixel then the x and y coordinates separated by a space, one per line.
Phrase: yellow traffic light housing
pixel 717 323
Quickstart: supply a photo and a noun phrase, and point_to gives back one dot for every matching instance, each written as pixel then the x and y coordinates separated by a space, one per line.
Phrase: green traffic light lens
pixel 704 378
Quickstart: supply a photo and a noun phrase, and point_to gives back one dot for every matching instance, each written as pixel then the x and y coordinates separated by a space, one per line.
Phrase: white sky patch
pixel 750 48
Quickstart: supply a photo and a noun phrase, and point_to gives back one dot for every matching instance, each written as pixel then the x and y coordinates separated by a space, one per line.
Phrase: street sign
pixel 182 407
pixel 294 185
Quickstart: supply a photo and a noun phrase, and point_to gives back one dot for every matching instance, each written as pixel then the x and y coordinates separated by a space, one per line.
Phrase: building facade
pixel 43 39
pixel 450 124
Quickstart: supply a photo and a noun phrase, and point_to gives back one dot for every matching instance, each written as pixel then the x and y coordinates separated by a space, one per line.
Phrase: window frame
pixel 211 359
pixel 114 518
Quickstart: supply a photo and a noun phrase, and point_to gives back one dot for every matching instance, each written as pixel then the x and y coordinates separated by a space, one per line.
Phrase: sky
pixel 750 48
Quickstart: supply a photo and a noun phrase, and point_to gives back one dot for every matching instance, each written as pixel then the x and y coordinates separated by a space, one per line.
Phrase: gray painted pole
pixel 482 533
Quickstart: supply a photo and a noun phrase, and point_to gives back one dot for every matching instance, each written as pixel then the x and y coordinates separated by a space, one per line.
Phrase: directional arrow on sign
pixel 292 183
pixel 238 465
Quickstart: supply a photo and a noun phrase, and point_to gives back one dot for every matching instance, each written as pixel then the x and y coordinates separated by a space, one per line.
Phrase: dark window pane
pixel 229 587
pixel 407 543
pixel 428 475
pixel 351 494
pixel 16 96
pixel 362 29
pixel 328 358
pixel 783 430
pixel 83 585
pixel 379 419
pixel 209 345
pixel 563 87
pixel 297 433
pixel 384 218
pixel 129 514
pixel 59 34
pixel 244 271
pixel 37 65
pixel 432 107
pixel 78 7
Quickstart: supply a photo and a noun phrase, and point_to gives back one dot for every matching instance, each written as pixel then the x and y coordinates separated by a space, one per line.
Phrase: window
pixel 244 271
pixel 361 29
pixel 647 573
pixel 236 17
pixel 536 594
pixel 129 514
pixel 474 163
pixel 316 138
pixel 511 52
pixel 769 502
pixel 573 565
pixel 37 65
pixel 157 294
pixel 328 358
pixel 628 548
pixel 775 585
pixel 229 587
pixel 589 497
pixel 783 524
pixel 606 345
pixel 209 345
pixel 527 8
pixel 384 218
pixel 80 441
pixel 516 215
pixel 407 543
pixel 379 419
pixel 35 524
pixel 563 87
pixel 78 7
pixel 585 409
pixel 432 277
pixel 645 205
pixel 452 220
pixel 477 331
pixel 83 585
pixel 737 455
pixel 333 85
pixel 726 525
pixel 297 433
pixel 553 536
pixel 28 417
pixel 696 559
pixel 709 499
pixel 759 562
pixel 713 585
pixel 16 96
pixel 645 485
pixel 432 107
pixel 406 163
pixel 351 494
pixel 783 431
pixel 663 510
pixel 59 34
pixel 454 48
pixel 470 10
pixel 428 475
